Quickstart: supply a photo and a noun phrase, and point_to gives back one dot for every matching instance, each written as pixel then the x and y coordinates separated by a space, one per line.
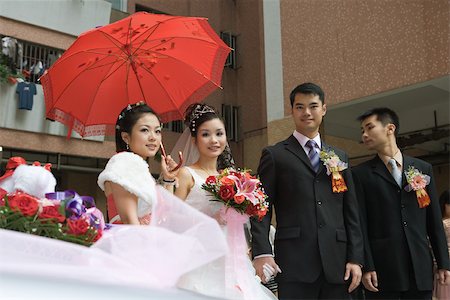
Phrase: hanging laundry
pixel 26 91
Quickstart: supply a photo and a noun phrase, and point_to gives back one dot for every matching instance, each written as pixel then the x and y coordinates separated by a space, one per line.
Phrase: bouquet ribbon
pixel 236 262
pixel 75 206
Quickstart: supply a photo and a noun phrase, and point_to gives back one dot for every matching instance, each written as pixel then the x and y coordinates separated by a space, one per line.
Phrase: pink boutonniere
pixel 417 182
pixel 334 166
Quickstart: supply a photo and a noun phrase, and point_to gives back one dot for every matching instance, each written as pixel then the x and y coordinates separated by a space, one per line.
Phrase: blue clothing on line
pixel 26 91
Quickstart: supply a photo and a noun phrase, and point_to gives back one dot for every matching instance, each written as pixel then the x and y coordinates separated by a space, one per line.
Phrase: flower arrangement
pixel 239 190
pixel 64 216
pixel 334 166
pixel 417 182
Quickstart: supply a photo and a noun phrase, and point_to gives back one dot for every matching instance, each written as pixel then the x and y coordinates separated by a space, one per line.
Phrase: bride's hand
pixel 218 216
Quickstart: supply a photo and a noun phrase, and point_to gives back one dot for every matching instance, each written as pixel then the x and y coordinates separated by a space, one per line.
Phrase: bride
pixel 205 143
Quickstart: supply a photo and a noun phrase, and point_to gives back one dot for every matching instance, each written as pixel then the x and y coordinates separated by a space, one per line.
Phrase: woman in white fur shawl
pixel 126 180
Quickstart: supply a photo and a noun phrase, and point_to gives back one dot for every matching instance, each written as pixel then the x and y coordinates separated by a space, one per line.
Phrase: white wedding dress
pixel 220 277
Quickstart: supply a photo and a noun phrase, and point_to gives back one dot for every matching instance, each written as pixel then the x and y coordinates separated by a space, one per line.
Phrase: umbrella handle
pixel 180 156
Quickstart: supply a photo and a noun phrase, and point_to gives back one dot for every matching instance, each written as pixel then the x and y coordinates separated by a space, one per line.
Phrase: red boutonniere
pixel 417 182
pixel 334 166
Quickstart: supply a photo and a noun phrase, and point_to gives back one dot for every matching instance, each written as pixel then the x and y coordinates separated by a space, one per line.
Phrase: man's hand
pixel 444 276
pixel 355 271
pixel 266 268
pixel 370 281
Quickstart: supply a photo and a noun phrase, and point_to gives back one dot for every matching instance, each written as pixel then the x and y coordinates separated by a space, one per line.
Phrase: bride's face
pixel 145 137
pixel 211 138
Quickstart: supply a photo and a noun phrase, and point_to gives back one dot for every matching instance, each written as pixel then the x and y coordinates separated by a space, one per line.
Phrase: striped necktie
pixel 313 155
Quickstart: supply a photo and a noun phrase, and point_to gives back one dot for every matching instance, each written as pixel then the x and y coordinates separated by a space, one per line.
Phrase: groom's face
pixel 307 112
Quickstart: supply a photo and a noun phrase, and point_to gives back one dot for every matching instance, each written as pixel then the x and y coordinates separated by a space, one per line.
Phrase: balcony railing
pixel 26 58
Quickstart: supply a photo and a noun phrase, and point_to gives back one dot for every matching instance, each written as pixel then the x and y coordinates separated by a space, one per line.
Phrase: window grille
pixel 230 41
pixel 175 126
pixel 231 117
pixel 30 59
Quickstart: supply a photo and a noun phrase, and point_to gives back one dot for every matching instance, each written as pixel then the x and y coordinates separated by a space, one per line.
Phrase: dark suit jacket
pixel 316 228
pixel 397 232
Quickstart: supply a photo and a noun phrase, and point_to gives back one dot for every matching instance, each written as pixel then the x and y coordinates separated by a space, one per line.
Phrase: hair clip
pixel 129 107
pixel 120 116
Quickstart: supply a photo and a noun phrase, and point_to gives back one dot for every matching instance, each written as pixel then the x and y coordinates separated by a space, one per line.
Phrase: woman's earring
pixel 128 147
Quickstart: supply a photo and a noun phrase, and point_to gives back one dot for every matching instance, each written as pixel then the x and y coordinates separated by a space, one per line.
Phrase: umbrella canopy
pixel 167 61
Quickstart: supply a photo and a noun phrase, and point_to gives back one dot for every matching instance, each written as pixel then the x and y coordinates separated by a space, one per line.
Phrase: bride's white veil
pixel 186 145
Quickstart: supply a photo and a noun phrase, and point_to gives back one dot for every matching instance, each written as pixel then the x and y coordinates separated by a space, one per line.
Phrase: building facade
pixel 363 53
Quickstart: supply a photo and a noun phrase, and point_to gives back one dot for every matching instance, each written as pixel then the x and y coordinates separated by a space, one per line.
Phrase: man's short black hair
pixel 384 115
pixel 307 88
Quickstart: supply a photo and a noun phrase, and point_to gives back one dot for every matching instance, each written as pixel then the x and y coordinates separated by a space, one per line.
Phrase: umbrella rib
pixel 195 70
pixel 100 84
pixel 161 85
pixel 71 81
pixel 150 32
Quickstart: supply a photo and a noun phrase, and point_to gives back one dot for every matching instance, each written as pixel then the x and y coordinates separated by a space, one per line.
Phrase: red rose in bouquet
pixel 226 192
pixel 64 216
pixel 26 204
pixel 239 190
pixel 78 226
pixel 52 212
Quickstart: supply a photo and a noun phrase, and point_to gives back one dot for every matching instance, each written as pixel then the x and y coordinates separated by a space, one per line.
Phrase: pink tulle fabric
pixel 179 239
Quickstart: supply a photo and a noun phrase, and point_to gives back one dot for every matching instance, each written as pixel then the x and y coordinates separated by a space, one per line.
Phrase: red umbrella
pixel 167 61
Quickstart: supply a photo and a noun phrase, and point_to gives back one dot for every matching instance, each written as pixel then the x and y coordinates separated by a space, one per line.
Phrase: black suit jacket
pixel 397 232
pixel 316 228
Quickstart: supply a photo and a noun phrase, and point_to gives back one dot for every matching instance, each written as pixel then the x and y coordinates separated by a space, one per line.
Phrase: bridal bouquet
pixel 239 190
pixel 64 216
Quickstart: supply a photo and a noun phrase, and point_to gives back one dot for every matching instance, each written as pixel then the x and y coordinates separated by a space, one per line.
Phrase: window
pixel 118 5
pixel 139 7
pixel 29 59
pixel 231 116
pixel 230 40
pixel 175 126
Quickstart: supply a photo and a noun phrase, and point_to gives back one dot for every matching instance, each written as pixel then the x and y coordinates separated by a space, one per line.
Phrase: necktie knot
pixel 311 144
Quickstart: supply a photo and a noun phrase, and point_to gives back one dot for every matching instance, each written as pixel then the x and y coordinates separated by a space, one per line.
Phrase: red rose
pixel 226 192
pixel 98 236
pixel 211 180
pixel 239 199
pixel 52 212
pixel 26 204
pixel 78 226
pixel 250 210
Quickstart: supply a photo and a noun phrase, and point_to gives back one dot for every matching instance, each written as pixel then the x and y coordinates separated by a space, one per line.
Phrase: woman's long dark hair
pixel 128 117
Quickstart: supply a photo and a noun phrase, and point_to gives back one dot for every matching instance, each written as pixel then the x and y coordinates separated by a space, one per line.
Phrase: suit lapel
pixel 380 169
pixel 293 146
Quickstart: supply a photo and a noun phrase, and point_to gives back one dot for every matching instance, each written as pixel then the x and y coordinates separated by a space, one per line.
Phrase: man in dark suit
pixel 318 242
pixel 398 226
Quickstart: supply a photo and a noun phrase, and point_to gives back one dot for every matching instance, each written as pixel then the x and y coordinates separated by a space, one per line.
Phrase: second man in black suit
pixel 400 219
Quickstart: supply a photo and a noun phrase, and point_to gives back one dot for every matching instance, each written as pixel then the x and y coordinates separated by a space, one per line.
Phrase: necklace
pixel 209 173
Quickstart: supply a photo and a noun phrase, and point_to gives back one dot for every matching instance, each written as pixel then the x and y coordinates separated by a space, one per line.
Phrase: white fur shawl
pixel 131 172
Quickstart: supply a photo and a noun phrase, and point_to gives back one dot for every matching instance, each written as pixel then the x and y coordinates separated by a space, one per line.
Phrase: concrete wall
pixel 67 16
